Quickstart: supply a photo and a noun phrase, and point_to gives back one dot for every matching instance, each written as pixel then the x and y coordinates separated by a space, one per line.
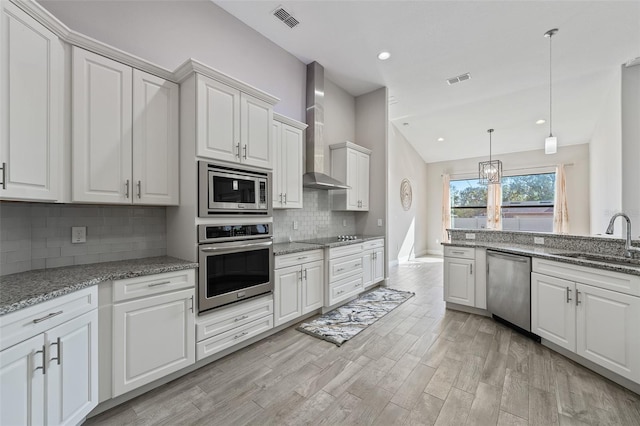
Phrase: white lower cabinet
pixel 346 273
pixel 298 289
pixel 597 323
pixel 52 377
pixel 459 281
pixel 372 262
pixel 153 331
pixel 233 324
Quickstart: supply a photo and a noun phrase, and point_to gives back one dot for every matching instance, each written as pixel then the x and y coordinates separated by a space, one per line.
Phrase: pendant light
pixel 551 142
pixel 489 172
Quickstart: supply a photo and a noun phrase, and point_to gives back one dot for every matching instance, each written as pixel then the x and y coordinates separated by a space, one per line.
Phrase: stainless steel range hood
pixel 315 176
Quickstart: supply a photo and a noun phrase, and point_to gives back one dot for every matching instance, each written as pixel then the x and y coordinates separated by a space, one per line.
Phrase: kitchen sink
pixel 618 260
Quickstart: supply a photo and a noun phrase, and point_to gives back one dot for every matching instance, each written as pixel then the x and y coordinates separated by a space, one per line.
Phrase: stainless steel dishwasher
pixel 509 288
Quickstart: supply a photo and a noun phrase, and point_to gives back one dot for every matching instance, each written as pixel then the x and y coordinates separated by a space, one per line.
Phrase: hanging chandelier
pixel 489 172
pixel 551 142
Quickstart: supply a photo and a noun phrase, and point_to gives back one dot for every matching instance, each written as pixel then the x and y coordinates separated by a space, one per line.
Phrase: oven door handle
pixel 229 246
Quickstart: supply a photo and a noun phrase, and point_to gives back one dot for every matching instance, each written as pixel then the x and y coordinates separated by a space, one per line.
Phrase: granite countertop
pixel 293 247
pixel 548 253
pixel 25 289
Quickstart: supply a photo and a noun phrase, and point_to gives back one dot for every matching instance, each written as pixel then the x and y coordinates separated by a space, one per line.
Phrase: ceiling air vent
pixel 285 17
pixel 459 78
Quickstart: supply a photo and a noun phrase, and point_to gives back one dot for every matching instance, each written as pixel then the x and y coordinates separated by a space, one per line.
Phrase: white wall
pixel 525 162
pixel 407 229
pixel 606 161
pixel 169 32
pixel 631 145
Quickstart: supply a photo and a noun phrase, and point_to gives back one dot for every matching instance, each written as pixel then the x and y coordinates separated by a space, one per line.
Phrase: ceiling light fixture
pixel 541 121
pixel 489 172
pixel 551 142
pixel 440 139
pixel 383 56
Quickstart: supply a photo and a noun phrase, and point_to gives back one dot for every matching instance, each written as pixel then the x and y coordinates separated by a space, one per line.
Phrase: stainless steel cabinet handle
pixel 238 148
pixel 126 185
pixel 357 265
pixel 305 274
pixel 569 299
pixel 244 154
pixel 4 175
pixel 285 194
pixel 192 304
pixel 244 317
pixel 578 297
pixel 44 360
pixel 302 257
pixel 139 189
pixel 457 252
pixel 340 292
pixel 281 198
pixel 339 269
pixel 160 283
pixel 237 336
pixel 470 269
pixel 58 344
pixel 51 315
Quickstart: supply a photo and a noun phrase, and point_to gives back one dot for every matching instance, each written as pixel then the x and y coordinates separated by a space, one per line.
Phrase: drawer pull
pixel 339 269
pixel 46 317
pixel 578 301
pixel 357 265
pixel 302 257
pixel 340 292
pixel 58 343
pixel 569 295
pixel 160 283
pixel 244 333
pixel 44 360
pixel 457 252
pixel 244 317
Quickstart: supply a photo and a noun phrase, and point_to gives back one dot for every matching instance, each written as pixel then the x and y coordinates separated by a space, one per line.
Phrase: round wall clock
pixel 405 194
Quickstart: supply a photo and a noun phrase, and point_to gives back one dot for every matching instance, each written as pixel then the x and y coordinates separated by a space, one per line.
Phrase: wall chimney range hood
pixel 315 176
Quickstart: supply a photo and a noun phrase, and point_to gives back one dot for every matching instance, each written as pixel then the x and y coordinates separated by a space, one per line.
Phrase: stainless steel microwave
pixel 233 190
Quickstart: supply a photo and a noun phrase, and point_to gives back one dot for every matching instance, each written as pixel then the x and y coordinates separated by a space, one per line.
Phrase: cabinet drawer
pixel 367 245
pixel 344 267
pixel 345 250
pixel 292 259
pixel 232 337
pixel 28 322
pixel 459 252
pixel 231 317
pixel 132 288
pixel 345 288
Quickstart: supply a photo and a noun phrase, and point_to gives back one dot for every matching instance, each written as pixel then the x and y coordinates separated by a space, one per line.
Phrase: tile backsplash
pixel 315 219
pixel 37 236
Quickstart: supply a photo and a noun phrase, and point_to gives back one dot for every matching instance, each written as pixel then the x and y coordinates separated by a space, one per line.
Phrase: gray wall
pixel 631 145
pixel 37 236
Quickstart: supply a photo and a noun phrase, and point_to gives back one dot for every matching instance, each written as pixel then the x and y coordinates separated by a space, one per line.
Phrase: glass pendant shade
pixel 551 145
pixel 489 172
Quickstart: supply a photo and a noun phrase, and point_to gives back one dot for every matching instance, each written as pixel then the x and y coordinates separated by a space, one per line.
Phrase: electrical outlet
pixel 470 236
pixel 78 234
pixel 538 240
pixel 295 224
pixel 379 222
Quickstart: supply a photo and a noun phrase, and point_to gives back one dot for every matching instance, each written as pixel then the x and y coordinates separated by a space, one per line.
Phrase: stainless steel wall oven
pixel 236 263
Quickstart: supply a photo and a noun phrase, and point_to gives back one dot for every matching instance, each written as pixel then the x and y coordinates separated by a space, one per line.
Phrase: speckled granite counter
pixel 288 248
pixel 547 253
pixel 25 289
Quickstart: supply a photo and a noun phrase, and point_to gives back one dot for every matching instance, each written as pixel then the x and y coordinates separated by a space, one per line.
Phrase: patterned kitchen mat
pixel 343 323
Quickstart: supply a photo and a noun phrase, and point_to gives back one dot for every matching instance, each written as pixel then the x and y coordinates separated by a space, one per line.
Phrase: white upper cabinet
pixel 288 138
pixel 124 134
pixel 350 164
pixel 31 107
pixel 232 126
pixel 155 140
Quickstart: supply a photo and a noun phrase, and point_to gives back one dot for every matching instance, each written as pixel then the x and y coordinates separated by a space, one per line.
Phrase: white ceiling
pixel 500 43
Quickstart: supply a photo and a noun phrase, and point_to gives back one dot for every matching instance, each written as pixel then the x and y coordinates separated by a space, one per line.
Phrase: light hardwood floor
pixel 419 365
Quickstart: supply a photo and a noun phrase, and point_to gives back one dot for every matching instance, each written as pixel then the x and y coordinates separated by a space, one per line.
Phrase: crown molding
pixel 348 144
pixel 290 121
pixel 193 66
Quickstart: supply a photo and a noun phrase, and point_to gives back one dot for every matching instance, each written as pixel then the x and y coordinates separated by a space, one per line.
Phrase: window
pixel 527 203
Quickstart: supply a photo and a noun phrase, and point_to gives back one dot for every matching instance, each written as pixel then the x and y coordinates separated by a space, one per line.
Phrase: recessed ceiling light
pixel 383 56
pixel 440 139
pixel 541 121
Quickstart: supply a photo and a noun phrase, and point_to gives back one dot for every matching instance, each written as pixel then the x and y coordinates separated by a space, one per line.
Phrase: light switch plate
pixel 379 222
pixel 78 234
pixel 470 236
pixel 538 240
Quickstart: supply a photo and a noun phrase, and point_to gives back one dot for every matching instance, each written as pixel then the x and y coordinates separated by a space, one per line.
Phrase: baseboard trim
pixel 436 252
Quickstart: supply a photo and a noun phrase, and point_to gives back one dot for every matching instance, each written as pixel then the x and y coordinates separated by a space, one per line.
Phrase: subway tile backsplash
pixel 315 219
pixel 38 236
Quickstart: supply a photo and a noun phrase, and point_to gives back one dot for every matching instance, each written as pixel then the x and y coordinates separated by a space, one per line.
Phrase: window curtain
pixel 446 207
pixel 494 206
pixel 560 210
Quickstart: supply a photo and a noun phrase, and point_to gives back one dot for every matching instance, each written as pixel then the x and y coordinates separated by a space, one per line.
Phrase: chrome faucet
pixel 628 248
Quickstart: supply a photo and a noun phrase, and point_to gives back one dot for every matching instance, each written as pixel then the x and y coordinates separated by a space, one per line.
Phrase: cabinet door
pixel 459 282
pixel 72 378
pixel 378 265
pixel 31 105
pixel 152 337
pixel 363 181
pixel 255 131
pixel 313 285
pixel 218 120
pixel 101 129
pixel 292 164
pixel 287 294
pixel 22 383
pixel 353 202
pixel 607 328
pixel 279 169
pixel 553 310
pixel 155 140
pixel 367 268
